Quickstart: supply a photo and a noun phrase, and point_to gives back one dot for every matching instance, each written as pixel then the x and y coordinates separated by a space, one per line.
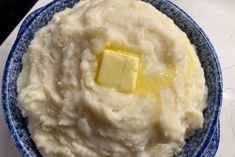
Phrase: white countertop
pixel 217 19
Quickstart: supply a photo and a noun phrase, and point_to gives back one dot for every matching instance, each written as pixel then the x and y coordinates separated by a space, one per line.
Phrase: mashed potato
pixel 71 115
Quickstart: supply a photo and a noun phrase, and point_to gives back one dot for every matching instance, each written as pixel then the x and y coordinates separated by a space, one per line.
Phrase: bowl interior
pixel 195 145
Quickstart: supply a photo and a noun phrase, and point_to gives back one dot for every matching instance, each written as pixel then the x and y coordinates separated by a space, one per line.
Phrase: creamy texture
pixel 71 115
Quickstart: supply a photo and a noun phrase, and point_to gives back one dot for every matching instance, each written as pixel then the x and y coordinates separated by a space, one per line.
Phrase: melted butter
pixel 124 50
pixel 152 84
pixel 114 48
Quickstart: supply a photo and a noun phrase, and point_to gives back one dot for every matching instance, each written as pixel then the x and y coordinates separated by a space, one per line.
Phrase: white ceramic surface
pixel 217 19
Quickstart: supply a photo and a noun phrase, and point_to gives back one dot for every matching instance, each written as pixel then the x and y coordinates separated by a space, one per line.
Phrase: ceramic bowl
pixel 203 143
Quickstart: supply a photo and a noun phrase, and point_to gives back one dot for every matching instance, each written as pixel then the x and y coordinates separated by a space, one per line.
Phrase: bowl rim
pixel 219 95
pixel 28 21
pixel 6 112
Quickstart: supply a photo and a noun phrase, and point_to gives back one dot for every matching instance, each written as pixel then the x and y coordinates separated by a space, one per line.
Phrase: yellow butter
pixel 119 70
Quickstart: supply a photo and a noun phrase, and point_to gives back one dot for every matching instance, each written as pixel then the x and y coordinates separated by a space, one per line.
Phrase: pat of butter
pixel 119 70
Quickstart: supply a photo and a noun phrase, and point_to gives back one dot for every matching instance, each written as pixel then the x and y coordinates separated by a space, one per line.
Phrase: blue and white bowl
pixel 203 143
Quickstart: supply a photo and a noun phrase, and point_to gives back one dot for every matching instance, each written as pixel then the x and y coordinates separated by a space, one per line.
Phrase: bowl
pixel 203 143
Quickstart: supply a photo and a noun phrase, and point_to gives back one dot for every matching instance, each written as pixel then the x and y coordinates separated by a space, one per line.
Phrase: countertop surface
pixel 217 19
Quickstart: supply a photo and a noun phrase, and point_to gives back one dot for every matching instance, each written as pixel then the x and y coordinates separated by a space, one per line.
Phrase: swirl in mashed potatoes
pixel 70 114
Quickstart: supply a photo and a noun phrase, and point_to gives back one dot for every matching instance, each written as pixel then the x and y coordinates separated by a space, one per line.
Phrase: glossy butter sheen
pixel 119 70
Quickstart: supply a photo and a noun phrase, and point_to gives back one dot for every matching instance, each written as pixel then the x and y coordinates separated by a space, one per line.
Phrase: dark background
pixel 11 13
